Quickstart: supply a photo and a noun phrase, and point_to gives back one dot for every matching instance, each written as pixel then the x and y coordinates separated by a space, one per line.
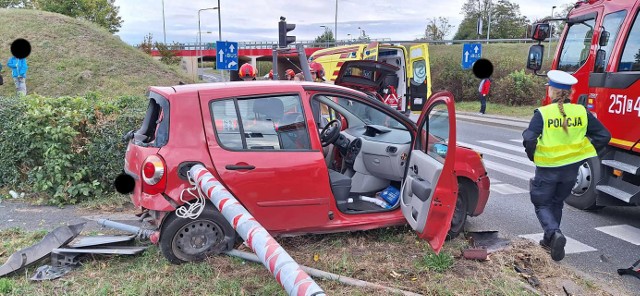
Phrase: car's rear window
pixel 154 131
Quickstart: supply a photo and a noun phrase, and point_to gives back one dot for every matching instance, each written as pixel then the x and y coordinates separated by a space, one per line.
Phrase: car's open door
pixel 429 189
pixel 371 52
pixel 419 84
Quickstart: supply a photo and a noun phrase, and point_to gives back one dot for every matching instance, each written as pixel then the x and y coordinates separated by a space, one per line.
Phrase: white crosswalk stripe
pixel 507 156
pixel 505 146
pixel 511 171
pixel 507 189
pixel 573 246
pixel 624 232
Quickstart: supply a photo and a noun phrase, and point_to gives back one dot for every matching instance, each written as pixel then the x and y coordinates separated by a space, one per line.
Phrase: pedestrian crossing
pixel 623 232
pixel 505 159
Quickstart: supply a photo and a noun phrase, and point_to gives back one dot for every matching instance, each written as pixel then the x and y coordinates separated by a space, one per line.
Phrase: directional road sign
pixel 471 52
pixel 226 55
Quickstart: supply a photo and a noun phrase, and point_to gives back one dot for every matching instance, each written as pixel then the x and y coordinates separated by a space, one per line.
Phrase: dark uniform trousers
pixel 549 188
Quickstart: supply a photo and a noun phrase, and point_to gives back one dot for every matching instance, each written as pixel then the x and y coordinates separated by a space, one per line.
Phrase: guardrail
pixel 270 44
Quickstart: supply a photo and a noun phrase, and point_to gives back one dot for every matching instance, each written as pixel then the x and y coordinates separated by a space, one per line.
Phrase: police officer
pixel 557 141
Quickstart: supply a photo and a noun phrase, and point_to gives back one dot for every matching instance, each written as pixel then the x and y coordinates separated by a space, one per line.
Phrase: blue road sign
pixel 471 52
pixel 226 55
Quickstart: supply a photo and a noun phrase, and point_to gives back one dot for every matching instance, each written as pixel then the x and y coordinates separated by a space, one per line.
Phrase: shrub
pixel 65 149
pixel 517 89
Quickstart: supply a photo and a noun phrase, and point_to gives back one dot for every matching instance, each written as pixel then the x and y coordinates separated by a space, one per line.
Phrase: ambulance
pixel 407 90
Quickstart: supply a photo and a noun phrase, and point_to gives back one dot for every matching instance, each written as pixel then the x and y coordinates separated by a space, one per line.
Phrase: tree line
pixel 102 12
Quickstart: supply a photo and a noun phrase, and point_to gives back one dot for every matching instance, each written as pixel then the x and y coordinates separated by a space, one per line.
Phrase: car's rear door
pixel 429 190
pixel 261 147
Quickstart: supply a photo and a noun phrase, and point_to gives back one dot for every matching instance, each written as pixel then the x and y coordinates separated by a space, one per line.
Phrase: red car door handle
pixel 234 167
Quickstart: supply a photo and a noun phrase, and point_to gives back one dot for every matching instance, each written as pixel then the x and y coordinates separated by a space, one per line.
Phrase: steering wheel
pixel 330 132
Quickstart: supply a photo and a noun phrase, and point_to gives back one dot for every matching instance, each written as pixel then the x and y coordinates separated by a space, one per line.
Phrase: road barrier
pixel 286 271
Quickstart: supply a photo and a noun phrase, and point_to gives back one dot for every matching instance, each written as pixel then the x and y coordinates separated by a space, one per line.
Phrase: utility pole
pixel 164 27
pixel 489 21
pixel 335 29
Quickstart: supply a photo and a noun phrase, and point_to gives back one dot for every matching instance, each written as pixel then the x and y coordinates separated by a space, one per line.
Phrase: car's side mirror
pixel 604 38
pixel 541 31
pixel 534 59
pixel 600 63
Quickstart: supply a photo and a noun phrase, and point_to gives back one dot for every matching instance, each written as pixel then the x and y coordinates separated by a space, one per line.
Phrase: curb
pixel 494 120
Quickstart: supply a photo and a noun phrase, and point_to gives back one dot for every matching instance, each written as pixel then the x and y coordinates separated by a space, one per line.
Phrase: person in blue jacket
pixel 19 69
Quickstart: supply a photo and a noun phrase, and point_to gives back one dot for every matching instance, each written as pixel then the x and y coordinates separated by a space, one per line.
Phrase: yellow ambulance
pixel 412 81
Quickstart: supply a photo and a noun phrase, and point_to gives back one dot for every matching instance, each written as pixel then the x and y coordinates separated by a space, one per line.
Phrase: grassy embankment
pixel 76 57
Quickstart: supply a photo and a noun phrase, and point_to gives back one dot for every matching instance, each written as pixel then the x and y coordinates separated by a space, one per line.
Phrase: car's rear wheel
pixel 460 213
pixel 583 195
pixel 187 240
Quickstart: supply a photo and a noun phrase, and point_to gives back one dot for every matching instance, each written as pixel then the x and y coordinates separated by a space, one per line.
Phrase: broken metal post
pixel 139 232
pixel 287 272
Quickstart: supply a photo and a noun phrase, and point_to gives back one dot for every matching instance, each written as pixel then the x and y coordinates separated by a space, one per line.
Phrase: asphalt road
pixel 598 242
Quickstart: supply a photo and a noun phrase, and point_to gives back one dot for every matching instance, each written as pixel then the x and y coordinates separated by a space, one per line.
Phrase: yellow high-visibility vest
pixel 555 147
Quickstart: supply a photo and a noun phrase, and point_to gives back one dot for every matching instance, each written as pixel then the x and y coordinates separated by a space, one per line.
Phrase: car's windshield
pixel 368 114
pixel 575 48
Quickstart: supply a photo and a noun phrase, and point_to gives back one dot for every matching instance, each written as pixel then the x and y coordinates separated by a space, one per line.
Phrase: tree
pixel 102 12
pixel 326 37
pixel 147 44
pixel 506 19
pixel 16 4
pixel 437 28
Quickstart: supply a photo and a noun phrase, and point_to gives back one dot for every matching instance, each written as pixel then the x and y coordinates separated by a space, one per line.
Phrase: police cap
pixel 560 79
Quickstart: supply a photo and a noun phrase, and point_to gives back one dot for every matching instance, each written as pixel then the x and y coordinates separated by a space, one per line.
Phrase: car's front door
pixel 262 150
pixel 429 190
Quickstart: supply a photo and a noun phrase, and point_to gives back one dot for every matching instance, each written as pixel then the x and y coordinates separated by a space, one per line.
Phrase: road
pixel 598 242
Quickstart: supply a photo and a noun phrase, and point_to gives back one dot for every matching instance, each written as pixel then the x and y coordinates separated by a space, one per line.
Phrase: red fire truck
pixel 600 46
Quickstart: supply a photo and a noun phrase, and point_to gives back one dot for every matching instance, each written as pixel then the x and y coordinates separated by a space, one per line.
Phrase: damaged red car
pixel 302 158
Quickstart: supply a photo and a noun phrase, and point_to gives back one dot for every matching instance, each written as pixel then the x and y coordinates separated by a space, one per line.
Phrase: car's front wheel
pixel 460 213
pixel 186 240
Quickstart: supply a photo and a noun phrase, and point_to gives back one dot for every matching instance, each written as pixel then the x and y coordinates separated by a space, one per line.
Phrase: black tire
pixel 460 213
pixel 583 195
pixel 187 240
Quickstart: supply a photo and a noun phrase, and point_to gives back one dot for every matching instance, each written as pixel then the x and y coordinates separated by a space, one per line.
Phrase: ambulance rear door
pixel 419 76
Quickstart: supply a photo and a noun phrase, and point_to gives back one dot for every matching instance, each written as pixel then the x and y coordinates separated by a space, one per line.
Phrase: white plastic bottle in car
pixel 379 202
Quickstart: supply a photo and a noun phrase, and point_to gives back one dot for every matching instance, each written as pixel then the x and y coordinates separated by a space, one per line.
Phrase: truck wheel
pixel 187 240
pixel 583 195
pixel 460 213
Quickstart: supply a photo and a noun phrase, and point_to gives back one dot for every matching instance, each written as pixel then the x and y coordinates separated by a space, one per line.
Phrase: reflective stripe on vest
pixel 555 147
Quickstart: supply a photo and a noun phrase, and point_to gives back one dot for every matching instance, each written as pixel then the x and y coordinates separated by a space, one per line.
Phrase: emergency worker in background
pixel 317 72
pixel 289 74
pixel 247 72
pixel 557 141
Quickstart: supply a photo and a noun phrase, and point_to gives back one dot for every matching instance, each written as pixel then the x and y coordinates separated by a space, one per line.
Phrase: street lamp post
pixel 551 31
pixel 335 29
pixel 361 32
pixel 326 35
pixel 200 32
pixel 349 38
pixel 164 27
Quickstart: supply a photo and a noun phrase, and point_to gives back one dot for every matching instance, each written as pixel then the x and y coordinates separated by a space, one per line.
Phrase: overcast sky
pixel 257 20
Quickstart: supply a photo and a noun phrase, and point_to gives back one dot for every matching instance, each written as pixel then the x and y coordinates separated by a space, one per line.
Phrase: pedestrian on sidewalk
pixel 19 69
pixel 560 138
pixel 483 92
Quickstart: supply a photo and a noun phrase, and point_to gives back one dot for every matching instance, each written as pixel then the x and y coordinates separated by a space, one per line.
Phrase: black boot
pixel 557 243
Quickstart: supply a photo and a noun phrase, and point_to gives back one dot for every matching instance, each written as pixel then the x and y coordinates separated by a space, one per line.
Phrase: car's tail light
pixel 153 175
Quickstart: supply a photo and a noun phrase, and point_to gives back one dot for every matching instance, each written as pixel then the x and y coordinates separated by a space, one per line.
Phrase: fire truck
pixel 600 46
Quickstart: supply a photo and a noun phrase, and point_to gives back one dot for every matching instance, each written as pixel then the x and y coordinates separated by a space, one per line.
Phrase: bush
pixel 65 149
pixel 517 89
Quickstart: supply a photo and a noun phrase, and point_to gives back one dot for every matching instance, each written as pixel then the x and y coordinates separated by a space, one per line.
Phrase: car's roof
pixel 261 84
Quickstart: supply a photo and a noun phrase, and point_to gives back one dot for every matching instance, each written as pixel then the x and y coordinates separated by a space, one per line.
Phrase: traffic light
pixel 283 28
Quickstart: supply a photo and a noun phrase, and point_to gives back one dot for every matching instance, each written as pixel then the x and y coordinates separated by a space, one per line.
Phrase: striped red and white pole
pixel 286 271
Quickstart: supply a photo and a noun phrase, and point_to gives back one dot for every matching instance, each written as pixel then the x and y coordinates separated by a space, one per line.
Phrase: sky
pixel 257 20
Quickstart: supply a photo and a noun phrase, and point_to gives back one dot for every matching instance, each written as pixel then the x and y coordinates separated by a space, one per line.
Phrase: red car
pixel 300 156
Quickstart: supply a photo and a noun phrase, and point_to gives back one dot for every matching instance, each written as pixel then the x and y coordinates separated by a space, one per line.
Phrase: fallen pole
pixel 329 276
pixel 139 232
pixel 287 272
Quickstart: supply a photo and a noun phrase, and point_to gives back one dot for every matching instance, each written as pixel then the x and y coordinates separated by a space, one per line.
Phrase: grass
pixel 396 262
pixel 521 112
pixel 75 57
